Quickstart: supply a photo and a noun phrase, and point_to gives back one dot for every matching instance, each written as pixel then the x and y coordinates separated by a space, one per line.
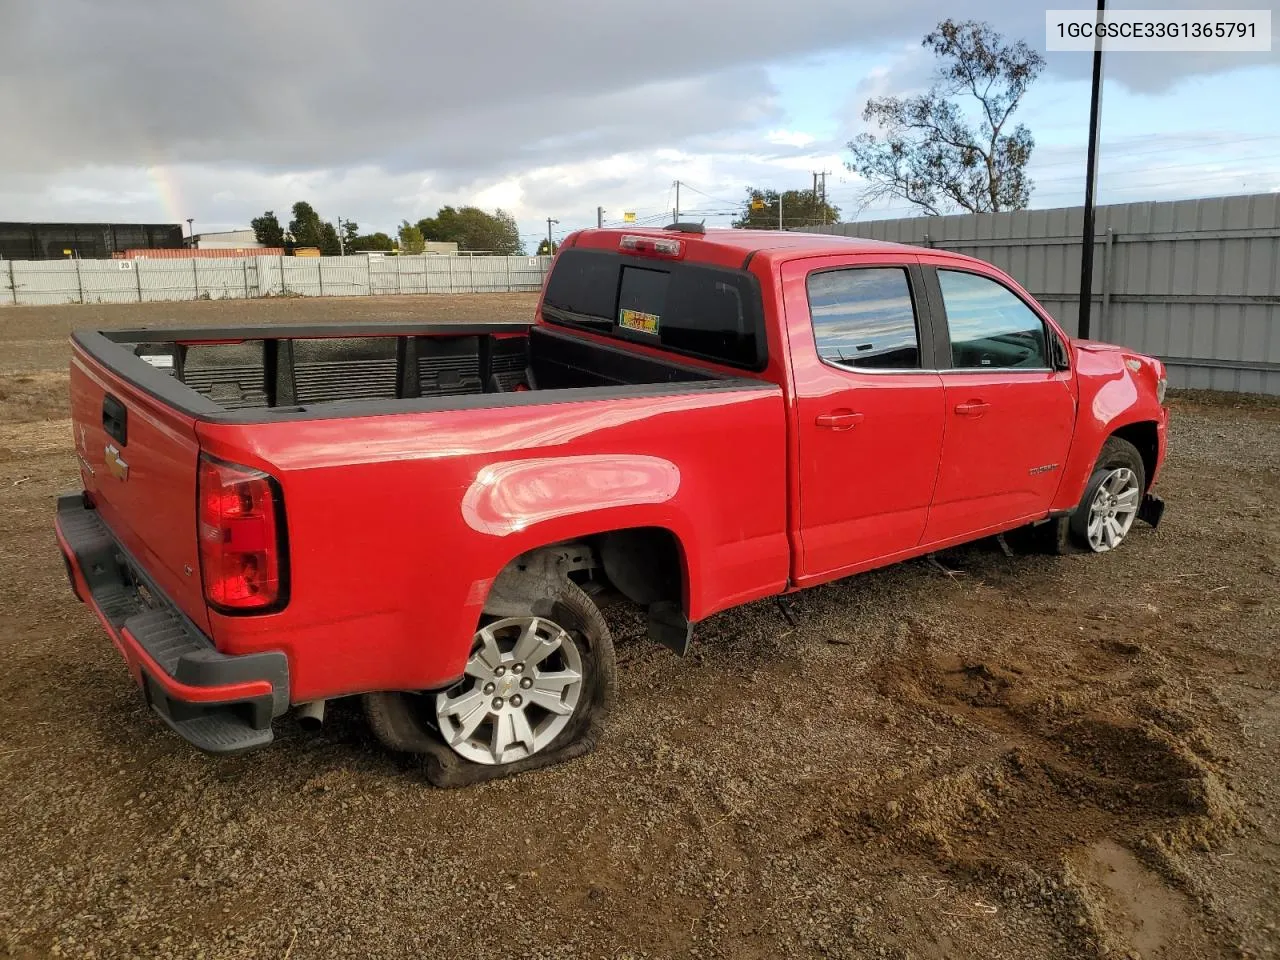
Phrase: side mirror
pixel 1061 355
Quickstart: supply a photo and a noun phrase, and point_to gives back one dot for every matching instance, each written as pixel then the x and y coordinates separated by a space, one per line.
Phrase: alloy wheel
pixel 1113 509
pixel 521 686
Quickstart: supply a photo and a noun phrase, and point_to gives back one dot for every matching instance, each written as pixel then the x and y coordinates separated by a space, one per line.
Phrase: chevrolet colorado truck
pixel 426 516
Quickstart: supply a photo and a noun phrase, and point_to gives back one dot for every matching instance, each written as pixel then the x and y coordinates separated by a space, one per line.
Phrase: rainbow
pixel 166 186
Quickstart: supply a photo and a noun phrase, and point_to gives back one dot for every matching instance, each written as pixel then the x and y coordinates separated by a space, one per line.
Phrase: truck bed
pixel 271 372
pixel 411 471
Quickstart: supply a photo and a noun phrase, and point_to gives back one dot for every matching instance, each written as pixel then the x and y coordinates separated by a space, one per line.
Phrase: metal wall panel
pixel 197 278
pixel 1195 282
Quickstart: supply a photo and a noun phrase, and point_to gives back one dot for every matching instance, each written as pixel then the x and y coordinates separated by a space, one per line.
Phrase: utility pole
pixel 599 217
pixel 823 175
pixel 342 247
pixel 677 219
pixel 779 209
pixel 1090 183
pixel 191 235
pixel 551 244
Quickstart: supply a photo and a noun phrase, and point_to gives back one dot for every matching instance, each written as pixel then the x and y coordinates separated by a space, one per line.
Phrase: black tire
pixel 406 721
pixel 1116 452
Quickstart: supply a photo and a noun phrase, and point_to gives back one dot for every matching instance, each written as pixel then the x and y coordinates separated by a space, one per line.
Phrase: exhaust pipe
pixel 311 715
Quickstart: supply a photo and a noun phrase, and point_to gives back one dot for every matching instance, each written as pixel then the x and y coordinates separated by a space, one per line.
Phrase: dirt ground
pixel 1030 757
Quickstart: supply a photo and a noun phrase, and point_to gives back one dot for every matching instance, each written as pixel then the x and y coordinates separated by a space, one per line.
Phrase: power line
pixel 1038 181
pixel 690 186
pixel 1198 145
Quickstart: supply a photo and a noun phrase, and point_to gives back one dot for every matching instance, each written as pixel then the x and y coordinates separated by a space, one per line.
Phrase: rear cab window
pixel 692 309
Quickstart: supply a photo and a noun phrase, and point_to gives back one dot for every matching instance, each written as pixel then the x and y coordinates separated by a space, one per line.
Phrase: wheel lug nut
pixel 489 688
pixel 517 700
pixel 518 668
pixel 526 683
pixel 500 671
pixel 497 703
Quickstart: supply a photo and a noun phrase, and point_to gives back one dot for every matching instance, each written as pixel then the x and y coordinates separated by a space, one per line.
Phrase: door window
pixel 863 318
pixel 990 326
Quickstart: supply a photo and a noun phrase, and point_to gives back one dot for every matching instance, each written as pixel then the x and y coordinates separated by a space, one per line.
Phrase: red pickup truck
pixel 427 515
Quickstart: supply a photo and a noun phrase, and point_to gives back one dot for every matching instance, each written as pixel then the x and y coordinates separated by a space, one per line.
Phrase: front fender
pixel 1116 389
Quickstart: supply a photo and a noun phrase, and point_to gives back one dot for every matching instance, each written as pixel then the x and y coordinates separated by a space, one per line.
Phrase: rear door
pixel 138 460
pixel 869 408
pixel 1009 413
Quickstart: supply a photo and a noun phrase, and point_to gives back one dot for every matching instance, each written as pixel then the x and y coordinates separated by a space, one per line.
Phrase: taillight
pixel 651 246
pixel 242 550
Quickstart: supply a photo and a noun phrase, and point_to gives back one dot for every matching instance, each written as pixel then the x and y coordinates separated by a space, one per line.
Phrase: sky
pixel 151 111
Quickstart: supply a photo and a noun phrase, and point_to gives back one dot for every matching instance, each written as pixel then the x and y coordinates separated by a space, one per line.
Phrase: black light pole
pixel 1091 178
pixel 191 236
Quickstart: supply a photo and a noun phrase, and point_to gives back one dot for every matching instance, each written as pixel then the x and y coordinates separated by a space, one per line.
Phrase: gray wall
pixel 194 278
pixel 1195 282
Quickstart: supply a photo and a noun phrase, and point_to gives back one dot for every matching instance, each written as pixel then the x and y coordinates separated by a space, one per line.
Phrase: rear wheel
pixel 1112 498
pixel 535 688
pixel 521 688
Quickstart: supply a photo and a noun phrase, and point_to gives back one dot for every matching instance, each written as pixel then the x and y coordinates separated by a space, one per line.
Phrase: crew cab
pixel 428 516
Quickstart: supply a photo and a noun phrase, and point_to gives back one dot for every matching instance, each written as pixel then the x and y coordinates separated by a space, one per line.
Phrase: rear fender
pixel 538 502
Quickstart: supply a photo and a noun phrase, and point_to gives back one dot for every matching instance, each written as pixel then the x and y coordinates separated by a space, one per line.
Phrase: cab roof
pixel 728 246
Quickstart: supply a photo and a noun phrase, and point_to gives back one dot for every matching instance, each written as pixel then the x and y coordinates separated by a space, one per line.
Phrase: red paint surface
pixel 397 524
pixel 152 510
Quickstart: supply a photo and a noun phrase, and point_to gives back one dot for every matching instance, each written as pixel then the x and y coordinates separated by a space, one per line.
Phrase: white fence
pixel 35 282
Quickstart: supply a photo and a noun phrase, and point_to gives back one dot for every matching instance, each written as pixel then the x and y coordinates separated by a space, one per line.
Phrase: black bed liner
pixel 267 374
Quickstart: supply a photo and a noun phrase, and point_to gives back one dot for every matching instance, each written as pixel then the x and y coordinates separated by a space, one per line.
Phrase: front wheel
pixel 1112 498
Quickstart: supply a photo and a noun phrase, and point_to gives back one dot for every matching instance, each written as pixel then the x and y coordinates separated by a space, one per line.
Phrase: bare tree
pixel 930 153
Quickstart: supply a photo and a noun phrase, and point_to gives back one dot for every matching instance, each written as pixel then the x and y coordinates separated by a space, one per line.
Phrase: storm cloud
pixel 430 99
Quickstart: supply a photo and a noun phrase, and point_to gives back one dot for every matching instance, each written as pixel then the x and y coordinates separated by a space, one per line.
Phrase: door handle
pixel 972 408
pixel 838 419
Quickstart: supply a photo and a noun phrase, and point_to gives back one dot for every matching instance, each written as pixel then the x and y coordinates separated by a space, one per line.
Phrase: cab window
pixel 863 318
pixel 989 325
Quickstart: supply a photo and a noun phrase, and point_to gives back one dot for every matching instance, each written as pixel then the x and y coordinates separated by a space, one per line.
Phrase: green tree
pixel 329 245
pixel 350 231
pixel 800 208
pixel 371 242
pixel 931 153
pixel 267 229
pixel 547 249
pixel 306 228
pixel 411 241
pixel 474 229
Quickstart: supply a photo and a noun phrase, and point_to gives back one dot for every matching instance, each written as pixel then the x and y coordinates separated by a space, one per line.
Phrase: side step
pixel 219 731
pixel 212 727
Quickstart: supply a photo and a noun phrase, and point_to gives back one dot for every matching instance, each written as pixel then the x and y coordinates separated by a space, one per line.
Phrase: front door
pixel 1009 414
pixel 870 410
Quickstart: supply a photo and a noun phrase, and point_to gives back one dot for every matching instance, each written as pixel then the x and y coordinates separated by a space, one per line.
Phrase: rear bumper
pixel 217 702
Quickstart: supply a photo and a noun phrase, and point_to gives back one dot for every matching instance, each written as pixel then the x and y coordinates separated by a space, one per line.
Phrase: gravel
pixel 1040 757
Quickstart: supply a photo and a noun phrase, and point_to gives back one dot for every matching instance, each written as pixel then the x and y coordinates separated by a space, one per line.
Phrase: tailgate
pixel 138 462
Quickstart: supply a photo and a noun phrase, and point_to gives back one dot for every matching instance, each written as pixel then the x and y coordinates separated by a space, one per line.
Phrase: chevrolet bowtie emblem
pixel 115 463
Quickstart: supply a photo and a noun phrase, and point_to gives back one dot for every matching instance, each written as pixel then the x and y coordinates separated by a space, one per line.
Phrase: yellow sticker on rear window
pixel 635 320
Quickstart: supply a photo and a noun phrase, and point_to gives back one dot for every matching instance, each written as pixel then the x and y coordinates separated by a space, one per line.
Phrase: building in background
pixel 228 240
pixel 84 241
pixel 187 253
